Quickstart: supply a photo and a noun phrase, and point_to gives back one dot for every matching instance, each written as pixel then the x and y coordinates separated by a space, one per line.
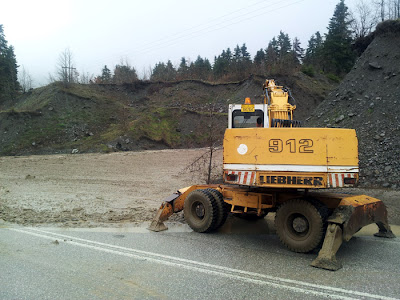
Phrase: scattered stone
pixel 74 151
pixel 339 119
pixel 374 66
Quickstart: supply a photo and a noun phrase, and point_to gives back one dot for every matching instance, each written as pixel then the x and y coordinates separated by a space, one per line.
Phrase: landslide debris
pixel 368 99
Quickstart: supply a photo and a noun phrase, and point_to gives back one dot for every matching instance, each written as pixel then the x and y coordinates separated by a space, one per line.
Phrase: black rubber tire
pixel 222 207
pixel 201 211
pixel 299 225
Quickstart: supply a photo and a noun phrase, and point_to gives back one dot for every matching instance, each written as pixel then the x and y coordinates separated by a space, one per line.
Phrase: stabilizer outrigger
pixel 347 214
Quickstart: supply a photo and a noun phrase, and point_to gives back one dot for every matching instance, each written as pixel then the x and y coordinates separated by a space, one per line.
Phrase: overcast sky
pixel 100 32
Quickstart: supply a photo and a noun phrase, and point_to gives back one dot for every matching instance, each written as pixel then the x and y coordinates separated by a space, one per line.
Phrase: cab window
pixel 247 119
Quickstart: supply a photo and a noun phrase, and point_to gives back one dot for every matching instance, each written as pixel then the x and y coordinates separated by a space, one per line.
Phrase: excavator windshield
pixel 248 119
pixel 241 117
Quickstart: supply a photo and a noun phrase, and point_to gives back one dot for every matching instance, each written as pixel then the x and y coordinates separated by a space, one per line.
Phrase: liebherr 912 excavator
pixel 272 164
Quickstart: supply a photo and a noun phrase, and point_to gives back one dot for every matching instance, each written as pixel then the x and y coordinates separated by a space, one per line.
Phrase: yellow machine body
pixel 291 157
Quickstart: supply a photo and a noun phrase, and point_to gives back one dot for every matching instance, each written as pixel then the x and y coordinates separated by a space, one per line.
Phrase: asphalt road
pixel 241 261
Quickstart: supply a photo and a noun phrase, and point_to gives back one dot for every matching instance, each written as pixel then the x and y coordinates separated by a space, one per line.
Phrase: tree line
pixel 333 53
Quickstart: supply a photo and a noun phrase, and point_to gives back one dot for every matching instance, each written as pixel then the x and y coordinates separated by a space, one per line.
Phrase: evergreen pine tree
pixel 314 51
pixel 183 69
pixel 297 51
pixel 106 75
pixel 159 72
pixel 271 55
pixel 170 72
pixel 284 45
pixel 9 85
pixel 259 58
pixel 338 56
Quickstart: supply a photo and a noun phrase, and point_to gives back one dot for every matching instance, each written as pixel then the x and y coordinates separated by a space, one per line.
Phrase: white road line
pixel 236 274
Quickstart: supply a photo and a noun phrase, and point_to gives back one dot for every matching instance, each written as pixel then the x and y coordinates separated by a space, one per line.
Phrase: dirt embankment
pixel 106 190
pixel 139 116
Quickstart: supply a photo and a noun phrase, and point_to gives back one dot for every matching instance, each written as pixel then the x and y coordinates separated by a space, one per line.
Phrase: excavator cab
pixel 248 115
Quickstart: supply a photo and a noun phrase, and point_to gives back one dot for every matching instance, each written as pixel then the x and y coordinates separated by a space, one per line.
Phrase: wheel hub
pixel 300 225
pixel 199 210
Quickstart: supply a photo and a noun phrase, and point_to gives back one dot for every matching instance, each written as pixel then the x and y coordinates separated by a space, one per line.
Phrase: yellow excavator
pixel 273 164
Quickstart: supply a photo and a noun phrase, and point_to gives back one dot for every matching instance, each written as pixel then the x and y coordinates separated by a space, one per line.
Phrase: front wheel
pixel 299 225
pixel 201 211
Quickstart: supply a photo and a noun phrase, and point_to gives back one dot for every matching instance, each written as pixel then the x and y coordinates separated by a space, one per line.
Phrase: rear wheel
pixel 201 211
pixel 222 207
pixel 299 225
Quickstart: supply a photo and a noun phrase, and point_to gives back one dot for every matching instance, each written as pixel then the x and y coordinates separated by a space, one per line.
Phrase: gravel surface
pixel 106 190
pixel 91 189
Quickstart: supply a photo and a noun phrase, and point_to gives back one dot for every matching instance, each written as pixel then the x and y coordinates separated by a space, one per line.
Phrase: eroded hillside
pixel 144 115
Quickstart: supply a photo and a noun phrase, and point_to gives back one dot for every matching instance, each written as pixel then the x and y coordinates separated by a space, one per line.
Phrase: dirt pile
pixel 139 116
pixel 368 99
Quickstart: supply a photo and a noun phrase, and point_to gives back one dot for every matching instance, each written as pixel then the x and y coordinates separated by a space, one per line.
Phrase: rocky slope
pixel 368 99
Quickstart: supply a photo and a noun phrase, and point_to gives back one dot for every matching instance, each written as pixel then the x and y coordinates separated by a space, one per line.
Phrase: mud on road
pixel 107 190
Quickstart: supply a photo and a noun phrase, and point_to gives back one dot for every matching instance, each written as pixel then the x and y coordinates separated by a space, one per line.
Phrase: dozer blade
pixel 172 204
pixel 350 216
pixel 164 212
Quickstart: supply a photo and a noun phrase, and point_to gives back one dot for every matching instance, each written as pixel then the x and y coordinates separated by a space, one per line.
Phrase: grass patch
pixel 159 124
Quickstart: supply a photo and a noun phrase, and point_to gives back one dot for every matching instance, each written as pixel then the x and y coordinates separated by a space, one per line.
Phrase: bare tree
pixel 206 166
pixel 394 9
pixel 66 72
pixel 388 9
pixel 363 19
pixel 25 80
pixel 86 78
pixel 381 4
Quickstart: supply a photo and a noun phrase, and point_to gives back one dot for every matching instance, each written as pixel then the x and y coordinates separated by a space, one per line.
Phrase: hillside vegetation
pixel 136 116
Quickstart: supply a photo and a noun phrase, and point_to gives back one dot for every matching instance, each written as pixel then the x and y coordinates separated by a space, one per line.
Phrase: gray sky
pixel 100 32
